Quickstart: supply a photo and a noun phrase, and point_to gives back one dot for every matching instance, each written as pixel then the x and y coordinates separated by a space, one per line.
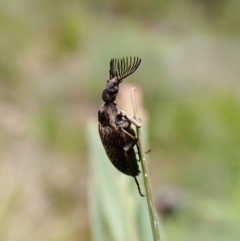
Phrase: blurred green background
pixel 54 62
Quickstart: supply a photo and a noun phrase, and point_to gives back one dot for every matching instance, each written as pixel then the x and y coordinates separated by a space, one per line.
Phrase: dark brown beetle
pixel 116 133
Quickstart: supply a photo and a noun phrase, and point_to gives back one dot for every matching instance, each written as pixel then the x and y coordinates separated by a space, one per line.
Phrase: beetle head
pixel 119 70
pixel 111 90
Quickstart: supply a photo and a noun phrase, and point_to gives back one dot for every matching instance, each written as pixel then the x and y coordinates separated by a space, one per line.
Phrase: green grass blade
pixel 151 209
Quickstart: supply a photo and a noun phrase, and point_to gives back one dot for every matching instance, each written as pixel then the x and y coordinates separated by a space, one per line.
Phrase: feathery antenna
pixel 122 68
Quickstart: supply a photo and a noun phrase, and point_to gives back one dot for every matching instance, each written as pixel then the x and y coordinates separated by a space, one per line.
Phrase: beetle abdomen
pixel 113 140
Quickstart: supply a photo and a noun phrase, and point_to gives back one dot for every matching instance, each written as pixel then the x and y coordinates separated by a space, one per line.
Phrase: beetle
pixel 114 125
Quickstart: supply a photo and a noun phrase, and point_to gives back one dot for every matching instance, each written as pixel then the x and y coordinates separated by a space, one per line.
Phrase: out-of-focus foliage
pixel 54 63
pixel 116 210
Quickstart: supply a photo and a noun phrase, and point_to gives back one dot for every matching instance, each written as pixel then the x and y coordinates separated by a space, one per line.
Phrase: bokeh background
pixel 54 62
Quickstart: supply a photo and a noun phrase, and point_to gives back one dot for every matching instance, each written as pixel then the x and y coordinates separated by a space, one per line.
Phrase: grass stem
pixel 151 208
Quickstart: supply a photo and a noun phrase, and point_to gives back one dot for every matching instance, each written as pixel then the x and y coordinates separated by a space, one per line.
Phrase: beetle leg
pixel 138 124
pixel 146 152
pixel 125 124
pixel 149 150
pixel 129 135
pixel 130 119
pixel 131 144
pixel 138 149
pixel 138 186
